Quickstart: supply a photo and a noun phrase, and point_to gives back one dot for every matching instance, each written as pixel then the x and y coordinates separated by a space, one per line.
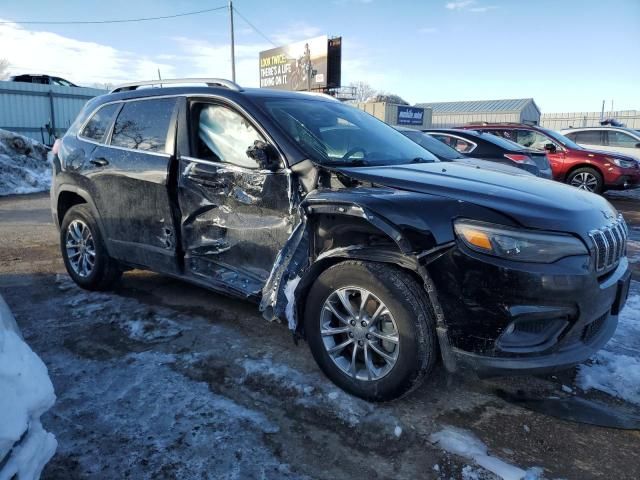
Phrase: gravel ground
pixel 162 379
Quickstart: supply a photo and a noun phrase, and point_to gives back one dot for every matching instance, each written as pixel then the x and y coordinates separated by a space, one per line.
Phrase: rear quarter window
pixel 143 124
pixel 97 126
pixel 589 137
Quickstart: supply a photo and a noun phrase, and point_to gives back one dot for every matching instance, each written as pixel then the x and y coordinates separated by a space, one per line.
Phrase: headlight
pixel 622 163
pixel 517 244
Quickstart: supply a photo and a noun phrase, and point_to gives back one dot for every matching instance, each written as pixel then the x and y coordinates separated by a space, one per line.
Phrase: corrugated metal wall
pixel 447 120
pixel 558 121
pixel 27 108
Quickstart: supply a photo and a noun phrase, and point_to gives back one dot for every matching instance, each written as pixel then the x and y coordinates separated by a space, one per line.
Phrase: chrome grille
pixel 610 244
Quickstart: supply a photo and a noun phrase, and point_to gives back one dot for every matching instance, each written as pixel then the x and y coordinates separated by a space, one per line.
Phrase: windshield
pixel 438 148
pixel 561 139
pixel 334 134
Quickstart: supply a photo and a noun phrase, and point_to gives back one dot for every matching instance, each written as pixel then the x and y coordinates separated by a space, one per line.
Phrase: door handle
pixel 99 162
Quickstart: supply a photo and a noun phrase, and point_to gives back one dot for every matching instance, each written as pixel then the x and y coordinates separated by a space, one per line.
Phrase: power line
pixel 255 28
pixel 127 20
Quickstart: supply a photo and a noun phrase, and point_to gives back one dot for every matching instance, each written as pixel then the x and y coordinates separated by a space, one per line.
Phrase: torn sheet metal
pixel 292 260
pixel 290 295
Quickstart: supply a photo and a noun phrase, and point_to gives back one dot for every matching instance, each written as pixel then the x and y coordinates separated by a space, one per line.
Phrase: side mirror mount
pixel 551 148
pixel 265 155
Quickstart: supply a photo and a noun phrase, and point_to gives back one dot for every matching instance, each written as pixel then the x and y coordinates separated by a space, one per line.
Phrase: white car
pixel 608 139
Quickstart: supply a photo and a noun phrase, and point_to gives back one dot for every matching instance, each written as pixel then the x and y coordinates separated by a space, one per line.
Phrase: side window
pixel 512 135
pixel 97 126
pixel 460 145
pixel 531 139
pixel 223 135
pixel 589 137
pixel 571 136
pixel 143 124
pixel 620 139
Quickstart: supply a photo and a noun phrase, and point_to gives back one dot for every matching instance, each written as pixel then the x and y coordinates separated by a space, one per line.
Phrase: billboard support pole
pixel 233 53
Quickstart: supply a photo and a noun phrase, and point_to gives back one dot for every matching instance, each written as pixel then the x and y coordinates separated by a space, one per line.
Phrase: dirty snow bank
pixel 23 165
pixel 466 444
pixel 616 369
pixel 26 393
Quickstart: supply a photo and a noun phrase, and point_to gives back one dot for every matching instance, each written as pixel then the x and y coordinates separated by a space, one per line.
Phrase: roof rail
pixel 321 94
pixel 491 124
pixel 210 82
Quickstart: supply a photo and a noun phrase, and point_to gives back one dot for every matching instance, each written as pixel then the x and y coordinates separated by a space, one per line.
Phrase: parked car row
pixel 383 257
pixel 549 154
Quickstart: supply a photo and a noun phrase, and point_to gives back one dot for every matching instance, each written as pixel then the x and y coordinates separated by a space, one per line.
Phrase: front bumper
pixel 627 179
pixel 505 318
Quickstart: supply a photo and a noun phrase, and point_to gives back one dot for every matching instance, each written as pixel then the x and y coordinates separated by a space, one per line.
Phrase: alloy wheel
pixel 81 249
pixel 585 181
pixel 359 333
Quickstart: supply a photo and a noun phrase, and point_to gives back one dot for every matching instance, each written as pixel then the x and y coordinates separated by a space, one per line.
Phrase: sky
pixel 569 55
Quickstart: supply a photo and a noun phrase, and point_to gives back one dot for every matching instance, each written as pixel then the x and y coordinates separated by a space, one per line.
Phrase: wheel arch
pixel 70 195
pixel 592 166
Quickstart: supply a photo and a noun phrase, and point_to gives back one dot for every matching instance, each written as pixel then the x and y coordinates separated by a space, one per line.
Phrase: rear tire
pixel 586 178
pixel 395 351
pixel 83 250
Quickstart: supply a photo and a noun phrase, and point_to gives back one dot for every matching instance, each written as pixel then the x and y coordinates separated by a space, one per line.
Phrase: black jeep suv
pixel 381 256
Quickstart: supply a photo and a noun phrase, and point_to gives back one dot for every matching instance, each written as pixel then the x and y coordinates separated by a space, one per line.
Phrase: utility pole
pixel 160 77
pixel 602 113
pixel 233 48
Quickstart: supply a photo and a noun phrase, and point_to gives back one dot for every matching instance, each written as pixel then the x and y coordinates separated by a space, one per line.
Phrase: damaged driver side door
pixel 234 198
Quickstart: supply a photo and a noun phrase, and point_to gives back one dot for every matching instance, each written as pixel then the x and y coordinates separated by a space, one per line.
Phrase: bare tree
pixel 389 98
pixel 4 68
pixel 363 91
pixel 102 85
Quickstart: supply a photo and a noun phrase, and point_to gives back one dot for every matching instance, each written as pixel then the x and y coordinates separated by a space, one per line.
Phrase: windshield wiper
pixel 421 160
pixel 358 162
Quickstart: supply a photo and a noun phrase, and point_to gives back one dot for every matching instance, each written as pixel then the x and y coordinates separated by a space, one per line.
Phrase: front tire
pixel 586 178
pixel 370 329
pixel 83 251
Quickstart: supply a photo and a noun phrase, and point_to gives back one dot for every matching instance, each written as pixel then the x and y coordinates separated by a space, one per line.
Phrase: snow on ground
pixel 616 368
pixel 139 323
pixel 26 393
pixel 23 165
pixel 166 412
pixel 633 194
pixel 465 444
pixel 314 392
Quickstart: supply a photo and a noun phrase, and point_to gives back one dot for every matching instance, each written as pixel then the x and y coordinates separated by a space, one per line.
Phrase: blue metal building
pixel 42 112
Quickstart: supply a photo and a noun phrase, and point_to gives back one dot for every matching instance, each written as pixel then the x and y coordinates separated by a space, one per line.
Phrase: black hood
pixel 533 202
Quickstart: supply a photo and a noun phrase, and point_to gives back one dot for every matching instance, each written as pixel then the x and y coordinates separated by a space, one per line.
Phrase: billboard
pixel 312 64
pixel 410 115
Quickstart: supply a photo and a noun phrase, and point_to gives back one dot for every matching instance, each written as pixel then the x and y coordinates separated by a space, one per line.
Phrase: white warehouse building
pixel 453 114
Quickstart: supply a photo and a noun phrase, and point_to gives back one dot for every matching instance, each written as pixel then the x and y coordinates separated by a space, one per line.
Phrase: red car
pixel 590 170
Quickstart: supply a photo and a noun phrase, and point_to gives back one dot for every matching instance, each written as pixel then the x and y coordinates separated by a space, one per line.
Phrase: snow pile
pixel 616 369
pixel 26 393
pixel 23 165
pixel 466 444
